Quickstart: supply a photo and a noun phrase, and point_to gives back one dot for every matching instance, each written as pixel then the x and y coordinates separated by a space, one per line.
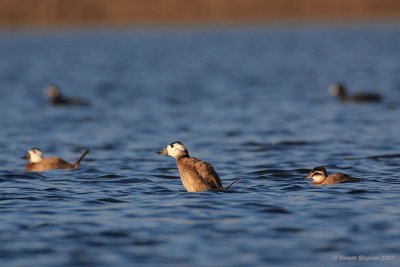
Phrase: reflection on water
pixel 251 101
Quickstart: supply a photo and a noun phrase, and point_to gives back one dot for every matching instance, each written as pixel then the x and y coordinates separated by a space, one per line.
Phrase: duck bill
pixel 25 156
pixel 163 151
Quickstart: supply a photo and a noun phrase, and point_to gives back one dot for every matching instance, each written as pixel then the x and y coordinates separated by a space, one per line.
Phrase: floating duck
pixel 339 90
pixel 57 99
pixel 321 177
pixel 37 163
pixel 196 175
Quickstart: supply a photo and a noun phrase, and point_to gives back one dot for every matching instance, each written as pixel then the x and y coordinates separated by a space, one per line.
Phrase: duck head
pixel 175 150
pixel 338 89
pixel 33 155
pixel 53 91
pixel 318 174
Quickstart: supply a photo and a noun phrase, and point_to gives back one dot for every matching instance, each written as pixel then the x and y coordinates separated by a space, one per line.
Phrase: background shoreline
pixel 53 13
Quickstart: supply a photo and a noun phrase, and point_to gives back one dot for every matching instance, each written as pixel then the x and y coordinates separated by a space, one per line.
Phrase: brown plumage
pixel 196 175
pixel 48 164
pixel 335 178
pixel 321 177
pixel 38 164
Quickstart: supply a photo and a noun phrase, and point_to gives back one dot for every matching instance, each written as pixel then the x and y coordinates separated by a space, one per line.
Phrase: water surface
pixel 252 101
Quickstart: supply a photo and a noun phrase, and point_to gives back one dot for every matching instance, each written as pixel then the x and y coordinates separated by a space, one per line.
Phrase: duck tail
pixel 233 183
pixel 76 165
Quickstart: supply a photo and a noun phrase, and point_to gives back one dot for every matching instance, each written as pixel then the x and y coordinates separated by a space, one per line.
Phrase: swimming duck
pixel 38 163
pixel 56 98
pixel 321 177
pixel 339 90
pixel 196 175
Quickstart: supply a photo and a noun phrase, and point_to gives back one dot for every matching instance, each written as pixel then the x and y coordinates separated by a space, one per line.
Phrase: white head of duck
pixel 175 150
pixel 33 155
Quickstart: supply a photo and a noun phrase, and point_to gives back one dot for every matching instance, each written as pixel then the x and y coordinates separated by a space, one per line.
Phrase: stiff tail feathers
pixel 233 183
pixel 76 165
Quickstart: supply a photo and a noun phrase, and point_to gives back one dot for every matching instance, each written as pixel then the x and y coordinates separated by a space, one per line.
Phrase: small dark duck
pixel 339 90
pixel 57 99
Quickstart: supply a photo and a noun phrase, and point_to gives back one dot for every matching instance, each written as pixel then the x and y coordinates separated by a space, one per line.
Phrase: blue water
pixel 252 101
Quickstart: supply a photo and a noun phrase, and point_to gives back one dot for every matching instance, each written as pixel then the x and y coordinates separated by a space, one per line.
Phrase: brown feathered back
pixel 337 178
pixel 197 175
pixel 49 163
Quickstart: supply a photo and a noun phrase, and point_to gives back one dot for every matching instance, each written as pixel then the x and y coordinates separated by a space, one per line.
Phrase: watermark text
pixel 364 258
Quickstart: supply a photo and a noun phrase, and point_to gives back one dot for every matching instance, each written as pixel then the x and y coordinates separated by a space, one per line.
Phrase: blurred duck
pixel 37 163
pixel 196 175
pixel 339 90
pixel 56 98
pixel 320 177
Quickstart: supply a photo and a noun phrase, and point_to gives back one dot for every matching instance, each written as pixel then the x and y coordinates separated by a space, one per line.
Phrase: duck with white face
pixel 57 99
pixel 38 163
pixel 339 90
pixel 196 175
pixel 321 177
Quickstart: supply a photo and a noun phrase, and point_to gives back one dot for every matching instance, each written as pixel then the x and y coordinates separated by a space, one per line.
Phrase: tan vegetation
pixel 123 12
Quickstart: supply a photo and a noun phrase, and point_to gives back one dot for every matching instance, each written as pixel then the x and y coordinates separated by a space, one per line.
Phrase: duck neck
pixel 343 95
pixel 182 157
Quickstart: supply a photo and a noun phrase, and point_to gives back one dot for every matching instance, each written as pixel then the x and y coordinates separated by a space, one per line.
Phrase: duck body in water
pixel 321 177
pixel 339 90
pixel 37 163
pixel 196 175
pixel 57 99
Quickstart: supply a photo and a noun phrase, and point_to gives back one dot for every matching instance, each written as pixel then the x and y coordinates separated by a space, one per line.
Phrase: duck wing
pixel 366 97
pixel 204 171
pixel 55 163
pixel 337 178
pixel 50 163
